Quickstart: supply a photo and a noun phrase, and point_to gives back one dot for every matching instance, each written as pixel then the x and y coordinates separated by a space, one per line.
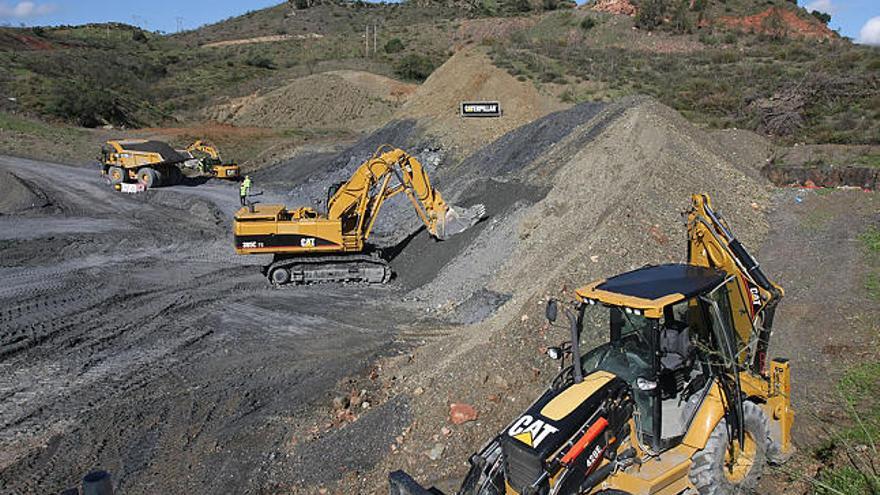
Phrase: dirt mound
pixel 777 21
pixel 349 100
pixel 17 196
pixel 470 75
pixel 621 7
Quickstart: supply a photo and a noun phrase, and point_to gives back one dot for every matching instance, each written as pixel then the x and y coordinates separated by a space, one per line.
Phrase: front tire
pixel 116 175
pixel 714 471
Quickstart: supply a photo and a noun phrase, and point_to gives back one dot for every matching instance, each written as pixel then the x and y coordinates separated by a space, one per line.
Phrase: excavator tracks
pixel 357 268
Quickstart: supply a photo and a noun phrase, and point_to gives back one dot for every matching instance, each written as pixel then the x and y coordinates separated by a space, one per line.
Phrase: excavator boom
pixel 370 186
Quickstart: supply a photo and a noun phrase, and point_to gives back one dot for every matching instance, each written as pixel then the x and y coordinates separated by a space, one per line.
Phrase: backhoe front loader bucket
pixel 458 219
pixel 400 483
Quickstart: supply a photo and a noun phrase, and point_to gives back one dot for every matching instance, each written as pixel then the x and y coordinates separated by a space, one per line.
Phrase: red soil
pixel 791 25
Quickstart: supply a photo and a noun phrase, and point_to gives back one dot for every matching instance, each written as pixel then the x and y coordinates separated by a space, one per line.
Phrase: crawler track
pixel 356 268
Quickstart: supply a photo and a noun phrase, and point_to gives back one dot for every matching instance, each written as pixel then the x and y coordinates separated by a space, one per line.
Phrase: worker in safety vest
pixel 244 189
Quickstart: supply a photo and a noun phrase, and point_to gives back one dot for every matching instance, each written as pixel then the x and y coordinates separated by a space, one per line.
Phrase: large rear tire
pixel 116 175
pixel 148 177
pixel 176 176
pixel 714 471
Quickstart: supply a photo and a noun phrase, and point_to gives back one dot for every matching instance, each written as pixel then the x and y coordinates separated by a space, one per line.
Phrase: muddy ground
pixel 135 340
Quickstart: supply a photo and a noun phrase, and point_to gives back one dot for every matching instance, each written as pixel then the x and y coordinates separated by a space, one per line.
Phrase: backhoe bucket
pixel 400 483
pixel 457 220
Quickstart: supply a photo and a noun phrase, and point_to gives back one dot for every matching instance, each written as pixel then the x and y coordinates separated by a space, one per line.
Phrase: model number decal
pixel 251 245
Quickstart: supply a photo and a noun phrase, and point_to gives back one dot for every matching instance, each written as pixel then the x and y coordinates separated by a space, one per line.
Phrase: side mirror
pixel 552 310
pixel 554 353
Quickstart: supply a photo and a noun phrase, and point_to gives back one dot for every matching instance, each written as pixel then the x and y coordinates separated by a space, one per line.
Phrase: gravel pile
pixel 17 196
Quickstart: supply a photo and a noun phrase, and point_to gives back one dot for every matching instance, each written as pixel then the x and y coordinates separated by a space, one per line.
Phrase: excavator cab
pixel 677 399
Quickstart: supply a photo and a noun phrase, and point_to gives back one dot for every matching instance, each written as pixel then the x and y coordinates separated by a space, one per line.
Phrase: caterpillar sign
pixel 480 109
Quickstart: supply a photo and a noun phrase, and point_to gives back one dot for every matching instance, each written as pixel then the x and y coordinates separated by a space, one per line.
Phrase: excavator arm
pixel 712 244
pixel 371 185
pixel 205 148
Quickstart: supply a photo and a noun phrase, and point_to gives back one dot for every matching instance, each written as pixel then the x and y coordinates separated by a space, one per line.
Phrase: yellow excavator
pixel 310 246
pixel 210 161
pixel 681 398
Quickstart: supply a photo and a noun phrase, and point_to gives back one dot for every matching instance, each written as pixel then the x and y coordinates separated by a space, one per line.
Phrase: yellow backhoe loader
pixel 151 163
pixel 210 162
pixel 310 246
pixel 681 398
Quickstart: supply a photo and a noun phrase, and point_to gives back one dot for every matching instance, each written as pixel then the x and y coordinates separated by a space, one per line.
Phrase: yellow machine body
pixel 151 163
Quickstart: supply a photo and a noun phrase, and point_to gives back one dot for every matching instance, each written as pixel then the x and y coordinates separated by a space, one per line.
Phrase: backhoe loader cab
pixel 676 399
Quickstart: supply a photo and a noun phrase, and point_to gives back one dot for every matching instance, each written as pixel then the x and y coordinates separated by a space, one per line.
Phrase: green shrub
pixel 680 23
pixel 139 36
pixel 414 67
pixel 588 23
pixel 822 16
pixel 85 105
pixel 651 13
pixel 260 61
pixel 394 45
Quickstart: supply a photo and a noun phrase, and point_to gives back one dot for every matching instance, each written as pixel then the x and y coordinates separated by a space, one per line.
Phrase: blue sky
pixel 850 17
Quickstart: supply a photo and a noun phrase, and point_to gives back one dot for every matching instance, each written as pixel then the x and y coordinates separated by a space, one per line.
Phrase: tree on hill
pixel 651 13
pixel 822 16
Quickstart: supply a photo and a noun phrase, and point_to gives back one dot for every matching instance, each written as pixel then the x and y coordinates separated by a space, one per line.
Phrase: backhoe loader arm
pixel 371 185
pixel 712 244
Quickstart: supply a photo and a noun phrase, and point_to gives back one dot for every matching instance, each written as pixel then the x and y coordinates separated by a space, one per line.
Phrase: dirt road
pixel 133 339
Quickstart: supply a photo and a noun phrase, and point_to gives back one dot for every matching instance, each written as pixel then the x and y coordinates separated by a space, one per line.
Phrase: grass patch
pixel 870 239
pixel 849 453
pixel 869 160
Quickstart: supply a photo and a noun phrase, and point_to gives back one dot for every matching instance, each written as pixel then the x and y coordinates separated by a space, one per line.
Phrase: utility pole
pixel 375 37
pixel 367 41
pixel 179 22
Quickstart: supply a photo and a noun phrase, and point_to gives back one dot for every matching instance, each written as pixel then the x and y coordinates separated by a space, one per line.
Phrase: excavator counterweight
pixel 310 246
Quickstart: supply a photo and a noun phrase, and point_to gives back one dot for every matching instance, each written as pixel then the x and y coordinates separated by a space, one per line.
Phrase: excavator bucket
pixel 457 220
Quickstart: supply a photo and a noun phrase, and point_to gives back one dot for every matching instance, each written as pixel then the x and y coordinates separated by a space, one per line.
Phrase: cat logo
pixel 530 431
pixel 307 242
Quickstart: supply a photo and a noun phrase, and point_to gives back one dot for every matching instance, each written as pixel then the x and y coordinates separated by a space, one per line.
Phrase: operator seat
pixel 676 357
pixel 676 349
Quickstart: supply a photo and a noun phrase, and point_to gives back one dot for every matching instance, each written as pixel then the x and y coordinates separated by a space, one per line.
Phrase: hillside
pixel 722 64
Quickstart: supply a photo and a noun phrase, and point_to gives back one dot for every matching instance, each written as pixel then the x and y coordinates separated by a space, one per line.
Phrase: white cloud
pixel 870 32
pixel 821 5
pixel 26 10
